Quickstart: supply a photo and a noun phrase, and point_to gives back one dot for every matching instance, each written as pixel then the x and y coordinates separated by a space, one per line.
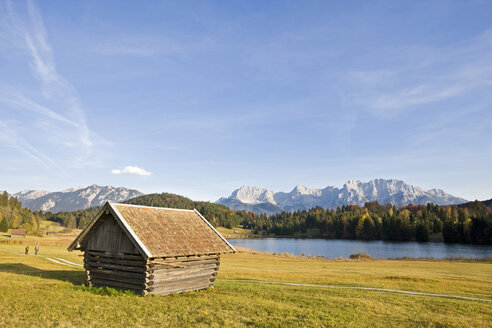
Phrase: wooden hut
pixel 150 250
pixel 18 233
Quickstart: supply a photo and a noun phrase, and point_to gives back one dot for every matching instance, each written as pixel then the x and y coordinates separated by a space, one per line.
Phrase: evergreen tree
pixel 4 226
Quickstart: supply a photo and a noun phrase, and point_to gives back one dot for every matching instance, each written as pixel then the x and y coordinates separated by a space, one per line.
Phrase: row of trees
pixel 13 215
pixel 381 222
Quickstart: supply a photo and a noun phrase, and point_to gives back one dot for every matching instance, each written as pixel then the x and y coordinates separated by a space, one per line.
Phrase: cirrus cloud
pixel 131 170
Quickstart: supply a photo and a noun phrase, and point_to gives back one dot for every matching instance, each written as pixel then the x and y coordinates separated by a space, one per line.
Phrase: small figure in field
pixel 27 249
pixel 36 250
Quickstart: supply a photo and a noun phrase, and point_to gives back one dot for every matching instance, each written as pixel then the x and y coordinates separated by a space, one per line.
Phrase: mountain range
pixel 72 199
pixel 384 191
pixel 258 200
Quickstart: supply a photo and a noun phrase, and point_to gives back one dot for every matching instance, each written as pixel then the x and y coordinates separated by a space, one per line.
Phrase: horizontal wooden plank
pixel 185 266
pixel 165 264
pixel 180 289
pixel 164 273
pixel 114 266
pixel 188 281
pixel 117 273
pixel 103 276
pixel 119 256
pixel 183 275
pixel 118 261
pixel 111 283
pixel 185 258
pixel 168 273
pixel 182 279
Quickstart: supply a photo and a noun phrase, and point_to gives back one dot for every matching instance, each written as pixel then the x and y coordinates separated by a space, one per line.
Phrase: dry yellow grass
pixel 35 292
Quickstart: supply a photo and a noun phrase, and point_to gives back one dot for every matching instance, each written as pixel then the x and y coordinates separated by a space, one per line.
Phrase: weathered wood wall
pixel 155 276
pixel 108 236
pixel 125 272
pixel 177 275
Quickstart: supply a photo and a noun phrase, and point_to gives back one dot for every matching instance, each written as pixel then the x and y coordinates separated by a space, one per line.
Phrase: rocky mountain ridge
pixel 384 191
pixel 72 199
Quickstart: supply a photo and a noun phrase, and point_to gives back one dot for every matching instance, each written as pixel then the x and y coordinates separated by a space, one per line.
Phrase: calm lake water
pixel 384 249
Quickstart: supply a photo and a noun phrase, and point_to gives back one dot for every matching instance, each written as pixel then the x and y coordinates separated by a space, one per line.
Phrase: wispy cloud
pixel 50 109
pixel 10 138
pixel 131 170
pixel 428 75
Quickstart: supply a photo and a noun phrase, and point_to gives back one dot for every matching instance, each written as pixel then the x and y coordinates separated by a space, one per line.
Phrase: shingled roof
pixel 163 232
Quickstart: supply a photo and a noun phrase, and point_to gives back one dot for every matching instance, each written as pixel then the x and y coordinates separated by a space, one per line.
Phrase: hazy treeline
pixel 468 224
pixel 13 215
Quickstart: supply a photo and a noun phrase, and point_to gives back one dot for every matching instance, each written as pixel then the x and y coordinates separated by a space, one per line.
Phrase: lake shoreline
pixel 335 248
pixel 364 257
pixel 324 238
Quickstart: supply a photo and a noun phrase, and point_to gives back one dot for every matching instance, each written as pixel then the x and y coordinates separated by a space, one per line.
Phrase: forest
pixel 13 215
pixel 452 224
pixel 466 223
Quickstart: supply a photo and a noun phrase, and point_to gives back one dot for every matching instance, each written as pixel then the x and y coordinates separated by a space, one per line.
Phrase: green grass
pixel 35 292
pixel 236 232
pixel 46 225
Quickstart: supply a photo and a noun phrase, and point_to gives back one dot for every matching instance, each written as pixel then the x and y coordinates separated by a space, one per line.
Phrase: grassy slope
pixel 237 232
pixel 36 292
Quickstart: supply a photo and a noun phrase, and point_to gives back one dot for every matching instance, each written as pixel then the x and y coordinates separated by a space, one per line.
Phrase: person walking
pixel 36 250
pixel 27 249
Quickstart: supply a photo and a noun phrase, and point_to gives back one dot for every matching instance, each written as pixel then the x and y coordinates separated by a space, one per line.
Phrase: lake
pixel 379 249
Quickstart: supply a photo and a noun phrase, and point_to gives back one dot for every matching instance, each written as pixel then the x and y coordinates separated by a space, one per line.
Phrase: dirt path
pixel 382 290
pixel 57 260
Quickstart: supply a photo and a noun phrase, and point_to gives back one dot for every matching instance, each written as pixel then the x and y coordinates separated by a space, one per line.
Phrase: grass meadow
pixel 36 292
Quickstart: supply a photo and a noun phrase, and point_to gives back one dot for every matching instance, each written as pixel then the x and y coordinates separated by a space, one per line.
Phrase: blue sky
pixel 199 98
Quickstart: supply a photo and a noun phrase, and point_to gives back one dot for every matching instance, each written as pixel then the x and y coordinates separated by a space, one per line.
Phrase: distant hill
pixel 395 192
pixel 477 207
pixel 73 199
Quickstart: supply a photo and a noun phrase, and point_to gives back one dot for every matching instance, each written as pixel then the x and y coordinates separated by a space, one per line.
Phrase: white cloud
pixel 131 170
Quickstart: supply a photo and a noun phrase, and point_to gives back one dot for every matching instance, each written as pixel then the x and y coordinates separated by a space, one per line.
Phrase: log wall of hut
pixel 112 260
pixel 181 274
pixel 155 276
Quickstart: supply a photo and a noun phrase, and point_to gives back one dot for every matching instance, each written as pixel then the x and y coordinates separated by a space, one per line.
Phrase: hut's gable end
pixel 111 259
pixel 108 236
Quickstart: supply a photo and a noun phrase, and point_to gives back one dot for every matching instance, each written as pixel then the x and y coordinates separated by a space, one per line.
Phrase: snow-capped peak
pixel 356 192
pixel 249 195
pixel 302 190
pixel 77 198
